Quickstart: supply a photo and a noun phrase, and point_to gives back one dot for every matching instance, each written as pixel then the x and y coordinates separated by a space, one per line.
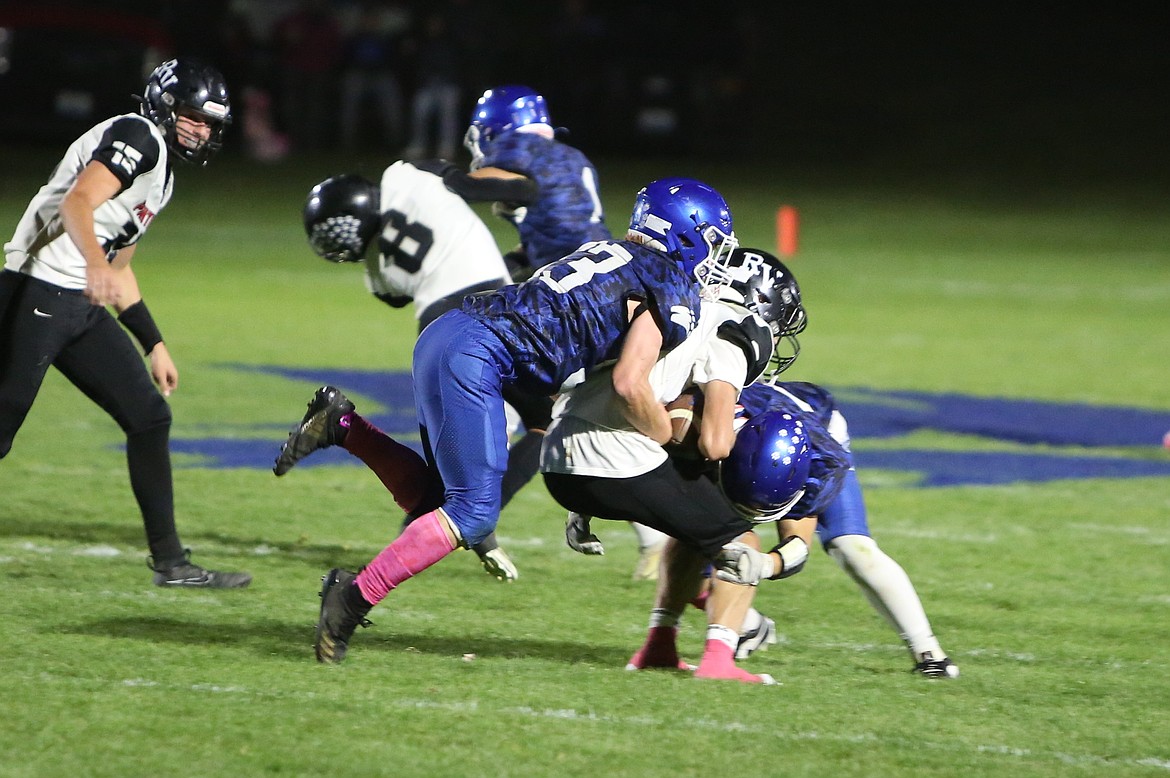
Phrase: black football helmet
pixel 342 217
pixel 765 286
pixel 186 83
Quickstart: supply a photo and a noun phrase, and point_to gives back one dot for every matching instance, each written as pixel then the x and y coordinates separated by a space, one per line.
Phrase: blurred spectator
pixel 308 43
pixel 246 68
pixel 474 25
pixel 370 75
pixel 436 101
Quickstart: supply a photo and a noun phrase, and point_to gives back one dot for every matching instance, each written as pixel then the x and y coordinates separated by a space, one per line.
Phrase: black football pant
pixel 42 324
pixel 676 498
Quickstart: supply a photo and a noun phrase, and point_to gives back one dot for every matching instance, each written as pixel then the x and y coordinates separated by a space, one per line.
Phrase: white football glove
pixel 497 564
pixel 739 563
pixel 579 538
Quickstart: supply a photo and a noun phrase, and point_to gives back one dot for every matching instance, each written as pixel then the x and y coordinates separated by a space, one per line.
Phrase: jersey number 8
pixel 404 243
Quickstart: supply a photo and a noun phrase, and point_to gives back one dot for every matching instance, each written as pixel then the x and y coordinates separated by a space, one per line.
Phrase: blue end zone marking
pixel 871 414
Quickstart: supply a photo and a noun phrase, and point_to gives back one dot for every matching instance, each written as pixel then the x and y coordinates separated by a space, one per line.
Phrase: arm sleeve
pixel 128 149
pixel 521 191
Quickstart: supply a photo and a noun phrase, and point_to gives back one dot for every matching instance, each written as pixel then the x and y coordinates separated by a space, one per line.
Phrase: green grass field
pixel 1053 597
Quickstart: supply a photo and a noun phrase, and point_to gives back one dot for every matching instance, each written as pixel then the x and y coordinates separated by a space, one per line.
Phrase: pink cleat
pixel 719 663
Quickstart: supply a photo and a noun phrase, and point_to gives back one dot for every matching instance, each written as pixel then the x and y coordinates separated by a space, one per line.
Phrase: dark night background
pixel 1052 90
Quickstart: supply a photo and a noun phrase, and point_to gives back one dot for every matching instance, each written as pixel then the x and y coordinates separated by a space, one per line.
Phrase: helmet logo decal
pixel 683 317
pixel 166 73
pixel 657 223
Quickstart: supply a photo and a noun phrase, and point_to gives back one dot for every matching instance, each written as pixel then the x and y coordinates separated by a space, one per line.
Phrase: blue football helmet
pixel 766 472
pixel 501 110
pixel 765 286
pixel 691 222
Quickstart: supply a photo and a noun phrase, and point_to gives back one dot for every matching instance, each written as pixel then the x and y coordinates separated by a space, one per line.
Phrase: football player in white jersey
pixel 70 258
pixel 595 463
pixel 433 250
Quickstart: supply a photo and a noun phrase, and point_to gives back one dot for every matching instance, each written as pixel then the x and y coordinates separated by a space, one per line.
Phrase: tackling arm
pixel 485 184
pixel 717 433
pixel 631 376
pixel 740 563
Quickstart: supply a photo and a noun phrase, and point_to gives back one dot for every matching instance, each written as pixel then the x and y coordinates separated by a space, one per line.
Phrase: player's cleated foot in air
pixel 342 611
pixel 929 667
pixel 757 639
pixel 499 565
pixel 186 574
pixel 320 428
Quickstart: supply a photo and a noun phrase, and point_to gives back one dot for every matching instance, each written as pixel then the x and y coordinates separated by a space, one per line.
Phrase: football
pixel 685 415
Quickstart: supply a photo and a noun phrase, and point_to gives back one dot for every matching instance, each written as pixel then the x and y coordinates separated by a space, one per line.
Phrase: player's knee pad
pixel 855 552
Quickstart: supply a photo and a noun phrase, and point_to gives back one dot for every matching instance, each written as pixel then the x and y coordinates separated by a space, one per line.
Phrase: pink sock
pixel 421 544
pixel 719 662
pixel 402 471
pixel 659 650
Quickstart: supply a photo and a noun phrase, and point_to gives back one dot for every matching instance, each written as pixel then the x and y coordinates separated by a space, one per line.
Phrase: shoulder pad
pixel 752 335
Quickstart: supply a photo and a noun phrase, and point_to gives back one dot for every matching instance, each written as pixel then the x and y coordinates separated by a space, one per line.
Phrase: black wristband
pixel 141 324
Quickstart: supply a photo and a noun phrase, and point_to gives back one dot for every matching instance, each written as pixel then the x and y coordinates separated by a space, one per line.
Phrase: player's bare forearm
pixel 645 414
pixel 631 379
pixel 717 434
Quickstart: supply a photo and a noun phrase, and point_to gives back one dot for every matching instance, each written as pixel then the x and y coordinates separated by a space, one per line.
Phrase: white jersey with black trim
pixel 589 435
pixel 432 244
pixel 134 150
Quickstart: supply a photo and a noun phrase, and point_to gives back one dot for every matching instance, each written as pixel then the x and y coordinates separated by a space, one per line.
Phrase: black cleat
pixel 929 667
pixel 187 574
pixel 320 428
pixel 340 616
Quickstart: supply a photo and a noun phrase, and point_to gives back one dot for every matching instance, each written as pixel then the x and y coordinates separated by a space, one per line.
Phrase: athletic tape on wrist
pixel 793 551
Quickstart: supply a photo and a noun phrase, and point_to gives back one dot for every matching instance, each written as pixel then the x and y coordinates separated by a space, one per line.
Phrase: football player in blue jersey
pixel 548 190
pixel 610 302
pixel 842 527
pixel 69 259
pixel 543 186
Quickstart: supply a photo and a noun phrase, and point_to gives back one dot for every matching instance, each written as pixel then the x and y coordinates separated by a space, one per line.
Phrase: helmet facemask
pixel 471 142
pixel 711 271
pixel 339 239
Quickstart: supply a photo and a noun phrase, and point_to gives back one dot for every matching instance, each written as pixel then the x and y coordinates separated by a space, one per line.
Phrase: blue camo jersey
pixel 572 315
pixel 567 211
pixel 830 460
